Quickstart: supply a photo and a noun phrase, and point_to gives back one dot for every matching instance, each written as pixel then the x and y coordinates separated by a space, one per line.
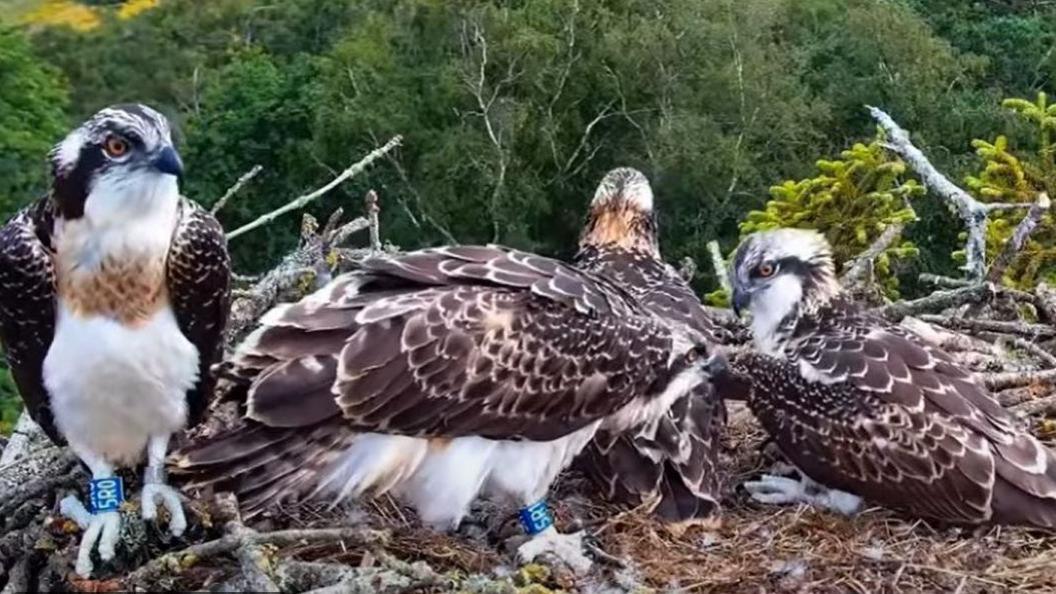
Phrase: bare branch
pixel 855 270
pixel 971 211
pixel 301 201
pixel 485 100
pixel 448 236
pixel 1019 237
pixel 1040 406
pixel 687 269
pixel 1045 299
pixel 1013 379
pixel 604 113
pixel 944 281
pixel 937 301
pixel 149 573
pixel 303 269
pixel 1033 331
pixel 235 188
pixel 719 264
pixel 1032 347
pixel 372 216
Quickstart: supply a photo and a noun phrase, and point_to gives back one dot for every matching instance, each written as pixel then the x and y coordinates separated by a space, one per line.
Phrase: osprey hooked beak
pixel 741 299
pixel 168 161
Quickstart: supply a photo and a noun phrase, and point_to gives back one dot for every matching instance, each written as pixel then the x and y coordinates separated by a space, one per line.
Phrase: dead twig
pixel 1019 237
pixel 1040 407
pixel 1045 300
pixel 1015 379
pixel 860 269
pixel 372 216
pixel 1032 347
pixel 937 301
pixel 235 188
pixel 943 281
pixel 719 265
pixel 1015 328
pixel 301 271
pixel 973 213
pixel 242 537
pixel 301 201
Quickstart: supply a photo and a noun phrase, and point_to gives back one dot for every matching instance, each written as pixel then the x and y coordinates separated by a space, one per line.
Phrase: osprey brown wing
pixel 198 278
pixel 27 306
pixel 463 341
pixel 855 441
pixel 677 457
pixel 901 368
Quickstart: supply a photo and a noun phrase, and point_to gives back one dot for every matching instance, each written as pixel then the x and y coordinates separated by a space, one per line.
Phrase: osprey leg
pixel 154 487
pixel 539 525
pixel 103 523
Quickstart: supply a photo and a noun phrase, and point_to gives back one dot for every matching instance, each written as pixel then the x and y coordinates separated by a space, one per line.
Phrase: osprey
pixel 441 374
pixel 113 297
pixel 870 409
pixel 671 461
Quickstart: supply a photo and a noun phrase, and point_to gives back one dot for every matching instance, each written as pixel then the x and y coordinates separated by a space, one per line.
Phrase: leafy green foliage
pixel 851 201
pixel 1006 176
pixel 10 403
pixel 32 103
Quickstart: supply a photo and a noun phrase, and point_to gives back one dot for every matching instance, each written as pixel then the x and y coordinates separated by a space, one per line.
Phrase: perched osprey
pixel 672 460
pixel 870 409
pixel 441 374
pixel 113 296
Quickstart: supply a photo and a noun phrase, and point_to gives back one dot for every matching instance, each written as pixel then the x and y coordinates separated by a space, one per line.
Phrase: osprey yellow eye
pixel 115 146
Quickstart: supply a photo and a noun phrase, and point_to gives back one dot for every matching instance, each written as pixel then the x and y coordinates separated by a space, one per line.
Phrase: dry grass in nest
pixel 760 548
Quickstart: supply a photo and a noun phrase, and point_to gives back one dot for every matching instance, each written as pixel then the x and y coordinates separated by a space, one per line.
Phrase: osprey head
pixel 626 187
pixel 775 271
pixel 621 212
pixel 122 160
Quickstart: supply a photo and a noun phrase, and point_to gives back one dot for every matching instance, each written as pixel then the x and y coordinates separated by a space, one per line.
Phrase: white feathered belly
pixel 113 386
pixel 441 478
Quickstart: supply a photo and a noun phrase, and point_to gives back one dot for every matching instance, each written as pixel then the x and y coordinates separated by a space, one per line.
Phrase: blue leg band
pixel 536 517
pixel 106 494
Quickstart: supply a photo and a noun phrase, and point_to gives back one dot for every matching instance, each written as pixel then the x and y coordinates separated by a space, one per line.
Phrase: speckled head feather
pixel 82 161
pixel 780 273
pixel 621 213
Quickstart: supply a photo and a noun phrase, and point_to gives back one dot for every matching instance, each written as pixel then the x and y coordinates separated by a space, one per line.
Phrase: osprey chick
pixel 439 375
pixel 672 460
pixel 870 409
pixel 113 296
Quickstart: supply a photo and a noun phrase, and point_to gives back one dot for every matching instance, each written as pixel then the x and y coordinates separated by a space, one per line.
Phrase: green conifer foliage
pixel 1007 176
pixel 851 201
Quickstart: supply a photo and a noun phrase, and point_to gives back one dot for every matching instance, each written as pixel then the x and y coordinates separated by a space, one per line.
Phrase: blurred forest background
pixel 743 113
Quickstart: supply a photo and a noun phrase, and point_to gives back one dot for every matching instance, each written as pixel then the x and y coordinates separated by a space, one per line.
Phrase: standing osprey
pixel 441 374
pixel 871 409
pixel 113 296
pixel 672 460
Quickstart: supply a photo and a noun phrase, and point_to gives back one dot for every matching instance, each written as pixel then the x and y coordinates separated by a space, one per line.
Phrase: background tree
pixel 32 104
